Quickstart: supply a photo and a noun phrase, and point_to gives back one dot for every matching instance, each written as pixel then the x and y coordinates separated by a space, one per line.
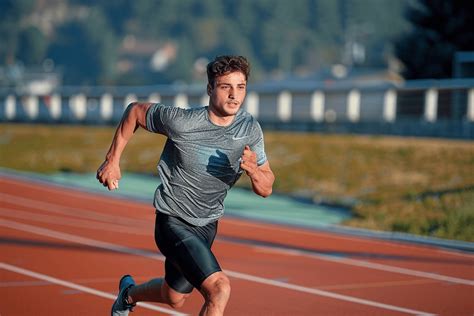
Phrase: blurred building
pixel 138 55
pixel 38 80
pixel 463 65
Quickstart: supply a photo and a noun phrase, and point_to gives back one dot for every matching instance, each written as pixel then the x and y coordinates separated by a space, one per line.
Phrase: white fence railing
pixel 308 103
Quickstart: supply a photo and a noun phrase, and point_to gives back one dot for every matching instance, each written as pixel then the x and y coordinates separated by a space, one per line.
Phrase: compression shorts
pixel 187 248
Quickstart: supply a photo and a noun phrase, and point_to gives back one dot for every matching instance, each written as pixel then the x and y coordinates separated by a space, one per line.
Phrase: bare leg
pixel 156 290
pixel 216 292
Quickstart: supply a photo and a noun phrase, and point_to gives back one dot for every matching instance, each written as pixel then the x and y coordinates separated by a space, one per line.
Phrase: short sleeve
pixel 159 118
pixel 258 145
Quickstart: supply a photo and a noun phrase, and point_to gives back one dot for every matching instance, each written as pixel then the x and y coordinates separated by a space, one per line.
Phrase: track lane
pixel 324 245
pixel 122 263
pixel 264 256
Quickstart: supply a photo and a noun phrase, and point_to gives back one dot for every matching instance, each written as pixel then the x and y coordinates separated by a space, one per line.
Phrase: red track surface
pixel 63 252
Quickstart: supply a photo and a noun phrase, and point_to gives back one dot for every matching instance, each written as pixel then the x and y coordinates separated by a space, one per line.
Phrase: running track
pixel 63 252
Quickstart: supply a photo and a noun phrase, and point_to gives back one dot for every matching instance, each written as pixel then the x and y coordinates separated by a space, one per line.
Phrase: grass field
pixel 420 186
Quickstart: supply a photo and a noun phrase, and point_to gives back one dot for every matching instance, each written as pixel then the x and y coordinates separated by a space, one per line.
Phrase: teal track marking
pixel 239 202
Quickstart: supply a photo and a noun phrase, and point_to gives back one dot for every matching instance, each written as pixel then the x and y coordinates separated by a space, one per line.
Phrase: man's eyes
pixel 240 87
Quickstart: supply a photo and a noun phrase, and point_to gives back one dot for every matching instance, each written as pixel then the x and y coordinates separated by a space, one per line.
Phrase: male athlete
pixel 206 151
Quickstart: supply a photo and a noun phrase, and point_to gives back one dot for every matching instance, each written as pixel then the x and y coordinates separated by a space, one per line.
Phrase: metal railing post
pixel 10 107
pixel 284 106
pixel 106 106
pixel 431 105
pixel 252 103
pixel 353 105
pixel 317 106
pixel 390 106
pixel 470 105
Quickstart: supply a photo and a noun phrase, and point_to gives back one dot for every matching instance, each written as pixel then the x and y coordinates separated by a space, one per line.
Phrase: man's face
pixel 228 93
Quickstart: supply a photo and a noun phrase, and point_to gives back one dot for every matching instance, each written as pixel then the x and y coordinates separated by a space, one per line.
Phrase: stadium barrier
pixel 435 108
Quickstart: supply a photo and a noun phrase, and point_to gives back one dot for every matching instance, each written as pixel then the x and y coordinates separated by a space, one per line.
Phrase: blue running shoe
pixel 121 307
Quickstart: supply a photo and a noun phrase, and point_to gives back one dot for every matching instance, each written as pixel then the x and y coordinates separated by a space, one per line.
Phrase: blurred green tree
pixel 32 46
pixel 440 29
pixel 85 49
pixel 11 13
pixel 299 37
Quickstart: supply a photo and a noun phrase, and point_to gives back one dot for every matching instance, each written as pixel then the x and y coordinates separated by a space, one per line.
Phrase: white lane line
pixel 78 287
pixel 73 211
pixel 81 281
pixel 238 275
pixel 80 240
pixel 323 293
pixel 42 283
pixel 73 222
pixel 353 262
pixel 366 264
pixel 70 211
pixel 112 199
pixel 331 235
pixel 64 189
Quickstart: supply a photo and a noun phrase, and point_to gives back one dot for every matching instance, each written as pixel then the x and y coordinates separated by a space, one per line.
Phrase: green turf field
pixel 420 186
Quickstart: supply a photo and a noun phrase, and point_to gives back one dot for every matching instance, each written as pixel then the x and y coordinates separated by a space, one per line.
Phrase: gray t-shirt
pixel 200 161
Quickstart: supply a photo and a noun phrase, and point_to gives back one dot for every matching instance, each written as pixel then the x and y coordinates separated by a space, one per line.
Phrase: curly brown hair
pixel 223 65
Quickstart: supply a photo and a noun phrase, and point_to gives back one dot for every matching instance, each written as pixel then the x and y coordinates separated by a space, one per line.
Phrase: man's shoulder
pixel 248 119
pixel 195 110
pixel 245 116
pixel 179 112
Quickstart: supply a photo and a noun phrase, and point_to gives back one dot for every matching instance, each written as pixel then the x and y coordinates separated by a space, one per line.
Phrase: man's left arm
pixel 262 177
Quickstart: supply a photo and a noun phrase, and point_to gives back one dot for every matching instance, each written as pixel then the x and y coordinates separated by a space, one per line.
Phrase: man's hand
pixel 109 175
pixel 134 116
pixel 248 161
pixel 262 177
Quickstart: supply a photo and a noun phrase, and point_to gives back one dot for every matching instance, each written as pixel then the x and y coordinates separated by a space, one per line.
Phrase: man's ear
pixel 209 89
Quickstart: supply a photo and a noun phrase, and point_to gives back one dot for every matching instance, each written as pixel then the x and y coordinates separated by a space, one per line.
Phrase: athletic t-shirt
pixel 200 161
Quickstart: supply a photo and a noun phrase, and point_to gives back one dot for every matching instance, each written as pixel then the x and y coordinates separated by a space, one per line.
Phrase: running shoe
pixel 121 307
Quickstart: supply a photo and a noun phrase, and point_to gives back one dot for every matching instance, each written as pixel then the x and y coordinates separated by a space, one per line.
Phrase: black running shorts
pixel 187 248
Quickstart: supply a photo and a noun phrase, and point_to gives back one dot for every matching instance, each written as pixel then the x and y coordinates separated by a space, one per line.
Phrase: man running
pixel 206 151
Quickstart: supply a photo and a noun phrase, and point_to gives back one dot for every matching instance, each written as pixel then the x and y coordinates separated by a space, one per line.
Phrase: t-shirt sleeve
pixel 258 145
pixel 159 118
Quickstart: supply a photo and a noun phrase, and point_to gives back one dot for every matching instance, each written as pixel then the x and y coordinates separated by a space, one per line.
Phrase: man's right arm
pixel 134 117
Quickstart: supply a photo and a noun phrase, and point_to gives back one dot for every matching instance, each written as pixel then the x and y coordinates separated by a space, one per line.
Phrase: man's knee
pixel 172 297
pixel 177 302
pixel 216 285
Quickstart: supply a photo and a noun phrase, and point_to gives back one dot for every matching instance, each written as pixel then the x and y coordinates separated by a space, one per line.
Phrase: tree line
pixel 281 38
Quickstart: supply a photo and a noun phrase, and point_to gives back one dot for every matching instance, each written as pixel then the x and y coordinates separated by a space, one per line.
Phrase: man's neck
pixel 218 119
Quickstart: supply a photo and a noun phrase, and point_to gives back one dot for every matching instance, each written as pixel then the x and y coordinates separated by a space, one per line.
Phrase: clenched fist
pixel 248 161
pixel 109 175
